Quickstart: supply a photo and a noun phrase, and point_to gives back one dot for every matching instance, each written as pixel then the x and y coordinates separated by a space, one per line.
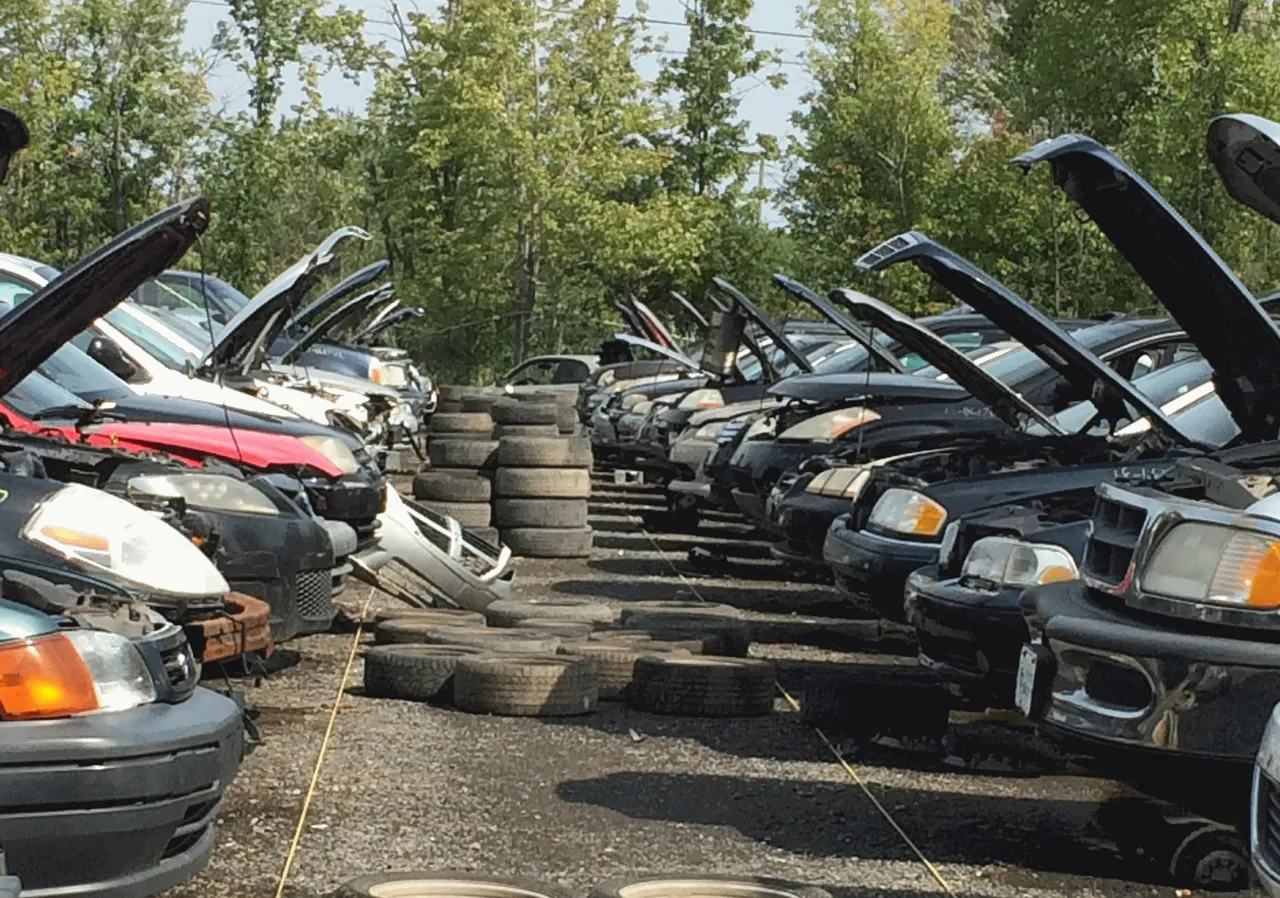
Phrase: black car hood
pixel 360 321
pixel 656 326
pixel 93 286
pixel 1020 320
pixel 332 322
pixel 344 288
pixel 254 328
pixel 767 324
pixel 399 316
pixel 691 310
pixel 1008 404
pixel 832 314
pixel 1200 291
pixel 856 385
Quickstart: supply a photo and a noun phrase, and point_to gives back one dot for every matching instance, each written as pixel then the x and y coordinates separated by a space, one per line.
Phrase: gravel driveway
pixel 576 801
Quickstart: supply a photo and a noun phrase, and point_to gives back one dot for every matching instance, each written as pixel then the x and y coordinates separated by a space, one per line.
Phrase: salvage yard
pixel 579 800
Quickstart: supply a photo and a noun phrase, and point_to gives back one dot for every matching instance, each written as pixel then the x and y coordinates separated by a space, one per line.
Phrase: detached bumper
pixel 116 805
pixel 1116 681
pixel 872 570
pixel 971 638
pixel 246 627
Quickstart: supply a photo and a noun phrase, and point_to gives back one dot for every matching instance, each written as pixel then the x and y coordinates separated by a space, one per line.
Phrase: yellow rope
pixel 836 753
pixel 324 747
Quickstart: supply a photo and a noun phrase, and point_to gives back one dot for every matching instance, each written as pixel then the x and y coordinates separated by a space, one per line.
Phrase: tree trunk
pixel 526 286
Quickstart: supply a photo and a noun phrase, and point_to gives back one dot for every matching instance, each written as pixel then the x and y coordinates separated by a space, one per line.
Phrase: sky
pixel 766 109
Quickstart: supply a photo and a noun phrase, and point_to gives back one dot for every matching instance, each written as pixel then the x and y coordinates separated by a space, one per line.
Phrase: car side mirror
pixel 107 354
pixel 1245 149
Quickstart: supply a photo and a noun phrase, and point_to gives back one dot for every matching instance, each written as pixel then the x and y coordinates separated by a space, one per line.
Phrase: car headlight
pixel 841 483
pixel 906 511
pixel 703 398
pixel 606 378
pixel 710 432
pixel 215 492
pixel 630 401
pixel 377 373
pixel 830 426
pixel 72 672
pixel 334 450
pixel 99 532
pixel 1212 563
pixel 1006 561
pixel 761 428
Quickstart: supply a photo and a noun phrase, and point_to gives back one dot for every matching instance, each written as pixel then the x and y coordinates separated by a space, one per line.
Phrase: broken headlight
pixel 839 483
pixel 1212 563
pixel 214 492
pixel 1006 561
pixel 909 512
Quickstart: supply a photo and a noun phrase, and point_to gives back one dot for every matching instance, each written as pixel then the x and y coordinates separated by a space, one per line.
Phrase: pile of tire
pixel 462 453
pixel 543 479
pixel 437 884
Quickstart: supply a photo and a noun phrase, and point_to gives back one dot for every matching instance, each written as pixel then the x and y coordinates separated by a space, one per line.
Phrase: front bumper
pixel 116 805
pixel 1119 680
pixel 971 638
pixel 1264 813
pixel 872 570
pixel 757 464
pixel 800 522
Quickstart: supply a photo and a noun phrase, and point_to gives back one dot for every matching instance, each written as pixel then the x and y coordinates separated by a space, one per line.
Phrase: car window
pixel 35 393
pixel 570 371
pixel 151 341
pixel 13 291
pixel 73 370
pixel 534 373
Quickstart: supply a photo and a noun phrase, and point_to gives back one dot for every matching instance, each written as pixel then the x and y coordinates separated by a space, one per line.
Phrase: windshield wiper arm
pixel 82 415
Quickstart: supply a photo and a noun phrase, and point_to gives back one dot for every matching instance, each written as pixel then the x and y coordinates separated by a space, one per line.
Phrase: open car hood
pixel 655 325
pixel 1011 407
pixel 248 335
pixel 1200 291
pixel 803 293
pixel 369 315
pixel 678 357
pixel 99 282
pixel 633 321
pixel 399 316
pixel 691 310
pixel 333 322
pixel 1022 322
pixel 335 294
pixel 767 324
pixel 13 138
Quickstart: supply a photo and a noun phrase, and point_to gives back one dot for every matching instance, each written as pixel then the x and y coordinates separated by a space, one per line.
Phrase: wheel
pixel 471 454
pixel 468 514
pixel 448 486
pixel 509 612
pixel 526 686
pixel 703 687
pixel 461 422
pixel 542 483
pixel 420 673
pixel 495 640
pixel 534 542
pixel 435 884
pixel 728 636
pixel 1212 857
pixel 617 663
pixel 700 885
pixel 565 629
pixel 414 629
pixel 558 514
pixel 449 616
pixel 679 608
pixel 501 431
pixel 544 452
pixel 509 411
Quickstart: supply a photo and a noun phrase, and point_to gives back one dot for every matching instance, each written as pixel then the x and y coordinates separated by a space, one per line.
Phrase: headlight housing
pixel 710 431
pixel 1006 561
pixel 701 399
pixel 334 450
pixel 1212 563
pixel 840 483
pixel 72 672
pixel 215 492
pixel 96 531
pixel 909 512
pixel 830 426
pixel 761 428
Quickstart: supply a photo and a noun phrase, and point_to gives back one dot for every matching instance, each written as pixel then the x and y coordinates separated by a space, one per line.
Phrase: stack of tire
pixel 543 479
pixel 462 453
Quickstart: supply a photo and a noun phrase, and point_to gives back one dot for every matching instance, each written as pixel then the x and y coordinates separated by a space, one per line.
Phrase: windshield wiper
pixel 82 415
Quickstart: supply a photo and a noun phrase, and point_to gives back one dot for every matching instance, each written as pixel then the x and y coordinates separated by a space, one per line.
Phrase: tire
pixel 459 392
pixel 479 403
pixel 528 686
pixel 680 608
pixel 558 514
pixel 509 612
pixel 720 635
pixel 702 687
pixel 511 412
pixel 435 884
pixel 536 542
pixel 544 452
pixel 566 418
pixel 414 629
pixel 473 454
pixel 447 486
pixel 450 407
pixel 468 514
pixel 525 430
pixel 419 673
pixel 617 663
pixel 461 422
pixel 700 885
pixel 621 635
pixel 448 616
pixel 493 640
pixel 565 629
pixel 542 483
pixel 488 534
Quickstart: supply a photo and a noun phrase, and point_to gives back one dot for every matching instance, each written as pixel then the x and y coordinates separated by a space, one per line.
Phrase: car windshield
pixel 35 393
pixel 151 340
pixel 179 290
pixel 982 356
pixel 71 369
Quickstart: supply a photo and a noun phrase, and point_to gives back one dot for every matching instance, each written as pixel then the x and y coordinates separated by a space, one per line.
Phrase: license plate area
pixel 1035 674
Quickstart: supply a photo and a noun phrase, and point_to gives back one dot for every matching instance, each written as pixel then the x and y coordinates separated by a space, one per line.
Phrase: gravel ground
pixel 577 801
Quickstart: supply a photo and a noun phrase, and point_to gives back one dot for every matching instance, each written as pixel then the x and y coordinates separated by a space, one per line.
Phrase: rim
pixel 701 888
pixel 448 888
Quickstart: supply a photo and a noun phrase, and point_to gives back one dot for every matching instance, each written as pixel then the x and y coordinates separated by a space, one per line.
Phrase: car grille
pixel 181 668
pixel 1267 821
pixel 1109 550
pixel 315 594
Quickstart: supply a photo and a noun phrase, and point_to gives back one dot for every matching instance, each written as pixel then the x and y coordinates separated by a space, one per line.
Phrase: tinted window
pixel 71 369
pixel 35 393
pixel 151 341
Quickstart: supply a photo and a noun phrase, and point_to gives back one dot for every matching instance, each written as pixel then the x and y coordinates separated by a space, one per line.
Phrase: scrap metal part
pixel 245 627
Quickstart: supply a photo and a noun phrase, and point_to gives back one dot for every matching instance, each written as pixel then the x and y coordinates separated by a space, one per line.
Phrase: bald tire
pixel 527 685
pixel 479 403
pixel 476 455
pixel 438 884
pixel 509 612
pixel 488 534
pixel 458 392
pixel 450 486
pixel 447 407
pixel 703 686
pixel 533 542
pixel 617 663
pixel 506 431
pixel 680 607
pixel 468 514
pixel 566 629
pixel 702 885
pixel 566 418
pixel 556 514
pixel 461 422
pixel 440 617
pixel 542 483
pixel 544 452
pixel 419 673
pixel 510 411
pixel 721 635
pixel 526 642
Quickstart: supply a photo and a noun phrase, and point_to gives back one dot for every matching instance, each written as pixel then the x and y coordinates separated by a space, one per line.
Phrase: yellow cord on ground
pixel 835 752
pixel 324 747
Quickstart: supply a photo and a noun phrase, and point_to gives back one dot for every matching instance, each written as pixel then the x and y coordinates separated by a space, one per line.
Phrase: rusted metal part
pixel 246 627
